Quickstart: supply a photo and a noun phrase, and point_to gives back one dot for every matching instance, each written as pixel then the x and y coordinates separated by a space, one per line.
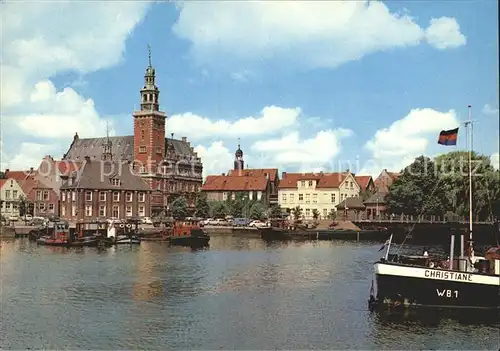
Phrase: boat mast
pixel 469 122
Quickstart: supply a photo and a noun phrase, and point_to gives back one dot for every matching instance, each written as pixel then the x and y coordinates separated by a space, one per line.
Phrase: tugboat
pixel 187 233
pixel 467 281
pixel 59 235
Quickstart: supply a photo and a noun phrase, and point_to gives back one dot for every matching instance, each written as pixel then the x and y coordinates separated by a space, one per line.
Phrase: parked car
pixel 218 221
pixel 13 218
pixel 257 224
pixel 146 220
pixel 241 222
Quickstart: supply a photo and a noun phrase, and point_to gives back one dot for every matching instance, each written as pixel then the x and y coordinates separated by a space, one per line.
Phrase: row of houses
pixel 313 192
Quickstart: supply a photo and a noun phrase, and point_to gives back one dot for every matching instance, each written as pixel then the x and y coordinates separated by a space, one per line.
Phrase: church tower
pixel 238 159
pixel 149 123
pixel 107 147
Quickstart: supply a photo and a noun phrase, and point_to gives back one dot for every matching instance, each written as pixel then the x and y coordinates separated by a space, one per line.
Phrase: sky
pixel 303 85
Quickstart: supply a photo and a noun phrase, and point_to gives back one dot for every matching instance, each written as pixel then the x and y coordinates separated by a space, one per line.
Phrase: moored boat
pixel 187 233
pixel 459 281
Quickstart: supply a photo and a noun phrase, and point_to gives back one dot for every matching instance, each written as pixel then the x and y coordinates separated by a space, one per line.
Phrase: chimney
pixel 184 139
pixel 31 169
pixel 283 174
pixel 6 171
pixel 75 138
pixel 87 159
pixel 347 170
pixel 223 174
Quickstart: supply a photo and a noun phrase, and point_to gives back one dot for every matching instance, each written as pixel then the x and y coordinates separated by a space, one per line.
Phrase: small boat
pixel 187 233
pixel 59 235
pixel 127 239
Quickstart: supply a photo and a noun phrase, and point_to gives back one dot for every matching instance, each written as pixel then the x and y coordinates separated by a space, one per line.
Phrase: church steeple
pixel 107 147
pixel 238 158
pixel 149 93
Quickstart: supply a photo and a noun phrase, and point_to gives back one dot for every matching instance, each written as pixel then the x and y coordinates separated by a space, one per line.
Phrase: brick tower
pixel 149 125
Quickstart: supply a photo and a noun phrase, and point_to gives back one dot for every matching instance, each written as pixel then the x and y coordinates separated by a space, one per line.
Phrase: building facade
pixel 169 166
pixel 10 193
pixel 385 180
pixel 316 191
pixel 102 190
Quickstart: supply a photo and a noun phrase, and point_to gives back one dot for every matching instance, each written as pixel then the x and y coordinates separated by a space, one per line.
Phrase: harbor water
pixel 240 293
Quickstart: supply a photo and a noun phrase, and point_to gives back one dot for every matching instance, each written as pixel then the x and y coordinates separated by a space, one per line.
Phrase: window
pixel 310 184
pixel 142 169
pixel 301 197
pixel 233 196
pixel 102 211
pixel 73 210
pixel 63 194
pixel 142 197
pixel 88 196
pixel 315 198
pixel 63 211
pixel 51 207
pixel 129 196
pixel 116 212
pixel 325 213
pixel 308 212
pixel 70 181
pixel 73 196
pixel 308 198
pixel 142 211
pixel 292 197
pixel 41 207
pixel 224 196
pixel 332 198
pixel 158 150
pixel 38 195
pixel 7 194
pixel 283 197
pixel 102 196
pixel 128 211
pixel 115 182
pixel 14 194
pixel 88 210
pixel 142 149
pixel 45 195
pixel 259 195
pixel 302 184
pixel 116 196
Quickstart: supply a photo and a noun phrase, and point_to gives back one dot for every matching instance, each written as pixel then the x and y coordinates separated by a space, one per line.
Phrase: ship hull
pixel 420 286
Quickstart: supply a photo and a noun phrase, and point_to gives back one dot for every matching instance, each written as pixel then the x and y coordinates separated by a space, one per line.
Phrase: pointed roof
pixel 232 183
pixel 272 173
pixel 363 181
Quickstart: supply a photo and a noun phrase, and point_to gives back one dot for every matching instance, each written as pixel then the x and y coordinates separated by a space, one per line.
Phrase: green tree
pixel 315 214
pixel 416 191
pixel 297 213
pixel 275 211
pixel 332 215
pixel 218 209
pixel 179 208
pixel 202 207
pixel 257 211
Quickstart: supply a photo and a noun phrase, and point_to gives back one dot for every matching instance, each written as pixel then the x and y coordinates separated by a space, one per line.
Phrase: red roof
pixel 363 181
pixel 256 172
pixel 233 183
pixel 325 180
pixel 19 175
pixel 2 182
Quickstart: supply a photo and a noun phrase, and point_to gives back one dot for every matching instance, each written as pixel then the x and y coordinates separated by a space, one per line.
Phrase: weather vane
pixel 149 53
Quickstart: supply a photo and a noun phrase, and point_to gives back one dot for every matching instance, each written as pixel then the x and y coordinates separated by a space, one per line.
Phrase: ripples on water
pixel 239 294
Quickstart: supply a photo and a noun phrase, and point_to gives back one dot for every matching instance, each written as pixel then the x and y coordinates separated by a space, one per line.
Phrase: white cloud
pixel 48 38
pixel 216 158
pixel 489 110
pixel 316 151
pixel 271 120
pixel 397 146
pixel 314 33
pixel 444 33
pixel 28 155
pixel 495 160
pixel 242 76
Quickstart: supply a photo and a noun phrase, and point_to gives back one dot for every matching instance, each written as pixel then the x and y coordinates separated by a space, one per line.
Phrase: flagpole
pixel 388 248
pixel 470 178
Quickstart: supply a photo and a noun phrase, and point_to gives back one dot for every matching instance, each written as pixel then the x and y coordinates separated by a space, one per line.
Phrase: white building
pixel 10 192
pixel 320 191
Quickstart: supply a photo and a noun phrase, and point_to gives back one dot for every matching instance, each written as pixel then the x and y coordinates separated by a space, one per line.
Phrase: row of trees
pixel 441 187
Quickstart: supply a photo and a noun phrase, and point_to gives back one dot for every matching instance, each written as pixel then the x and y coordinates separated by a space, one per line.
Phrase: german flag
pixel 448 137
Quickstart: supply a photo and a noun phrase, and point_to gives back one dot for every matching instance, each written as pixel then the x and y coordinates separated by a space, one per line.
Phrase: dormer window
pixel 115 182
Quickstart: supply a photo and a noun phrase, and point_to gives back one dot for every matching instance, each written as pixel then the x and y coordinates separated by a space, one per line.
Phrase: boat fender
pixel 129 225
pixel 431 264
pixel 122 226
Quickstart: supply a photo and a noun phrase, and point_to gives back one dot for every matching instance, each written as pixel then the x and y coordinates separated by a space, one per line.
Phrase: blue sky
pixel 353 75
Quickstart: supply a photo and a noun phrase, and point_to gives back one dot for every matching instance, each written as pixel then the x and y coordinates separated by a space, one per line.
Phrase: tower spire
pixel 107 153
pixel 149 55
